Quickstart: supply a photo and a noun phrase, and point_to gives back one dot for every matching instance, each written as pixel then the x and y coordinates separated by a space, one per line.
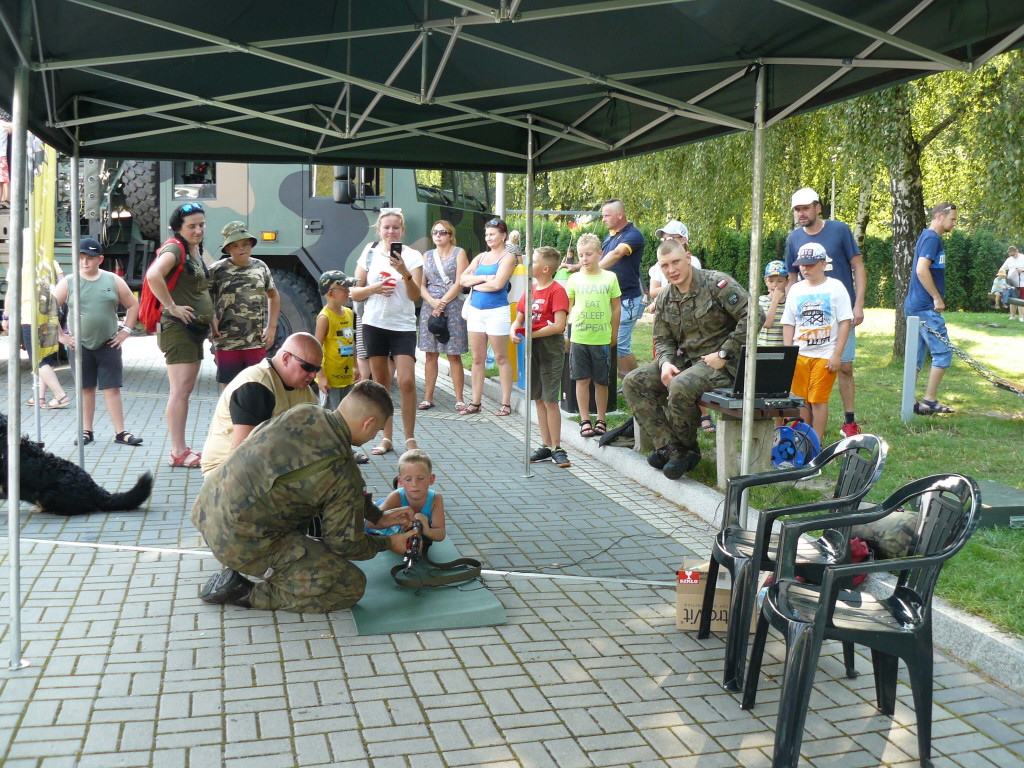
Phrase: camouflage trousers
pixel 304 576
pixel 670 414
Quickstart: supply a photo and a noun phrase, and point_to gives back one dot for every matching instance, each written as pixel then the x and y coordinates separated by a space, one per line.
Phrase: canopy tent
pixel 502 85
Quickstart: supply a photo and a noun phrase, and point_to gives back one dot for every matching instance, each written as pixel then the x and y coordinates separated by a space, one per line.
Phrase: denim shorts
pixel 942 355
pixel 632 310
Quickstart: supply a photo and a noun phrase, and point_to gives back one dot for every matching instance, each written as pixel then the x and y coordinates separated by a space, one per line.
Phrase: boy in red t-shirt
pixel 549 312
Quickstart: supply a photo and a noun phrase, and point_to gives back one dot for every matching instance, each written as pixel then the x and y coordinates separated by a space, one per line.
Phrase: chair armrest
pixel 766 519
pixel 793 529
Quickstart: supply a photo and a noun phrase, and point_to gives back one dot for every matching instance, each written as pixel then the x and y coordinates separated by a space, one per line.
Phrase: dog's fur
pixel 60 487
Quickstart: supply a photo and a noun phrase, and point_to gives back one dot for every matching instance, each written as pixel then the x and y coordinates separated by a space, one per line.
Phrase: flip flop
pixel 58 403
pixel 505 410
pixel 460 407
pixel 707 425
pixel 426 405
pixel 385 446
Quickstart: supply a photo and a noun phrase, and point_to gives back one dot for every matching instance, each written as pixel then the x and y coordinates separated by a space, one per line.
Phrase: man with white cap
pixel 673 230
pixel 844 264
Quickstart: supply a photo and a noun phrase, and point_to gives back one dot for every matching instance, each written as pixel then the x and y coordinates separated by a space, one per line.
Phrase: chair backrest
pixel 863 459
pixel 948 508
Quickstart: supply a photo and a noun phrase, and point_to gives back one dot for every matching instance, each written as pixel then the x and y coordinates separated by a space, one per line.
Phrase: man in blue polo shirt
pixel 622 250
pixel 846 265
pixel 926 298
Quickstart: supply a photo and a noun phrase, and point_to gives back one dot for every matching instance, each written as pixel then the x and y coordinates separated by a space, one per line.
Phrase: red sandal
pixel 189 459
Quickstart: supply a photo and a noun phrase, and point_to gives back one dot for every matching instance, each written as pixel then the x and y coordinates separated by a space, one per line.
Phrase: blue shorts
pixel 632 310
pixel 942 355
pixel 850 350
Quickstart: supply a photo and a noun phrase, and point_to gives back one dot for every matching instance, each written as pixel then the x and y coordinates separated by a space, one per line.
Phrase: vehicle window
pixel 322 181
pixel 476 195
pixel 195 180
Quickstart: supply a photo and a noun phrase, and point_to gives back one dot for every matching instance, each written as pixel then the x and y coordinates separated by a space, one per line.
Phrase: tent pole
pixel 528 304
pixel 76 236
pixel 499 195
pixel 29 263
pixel 18 138
pixel 754 283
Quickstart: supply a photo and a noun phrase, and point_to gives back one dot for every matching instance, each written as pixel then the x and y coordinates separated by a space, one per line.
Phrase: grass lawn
pixel 983 439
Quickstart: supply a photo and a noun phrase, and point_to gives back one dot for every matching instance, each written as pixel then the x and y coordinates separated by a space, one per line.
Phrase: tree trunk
pixel 867 190
pixel 908 220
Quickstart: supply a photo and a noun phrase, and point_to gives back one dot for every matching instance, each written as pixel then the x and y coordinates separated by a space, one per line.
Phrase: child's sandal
pixel 600 427
pixel 586 428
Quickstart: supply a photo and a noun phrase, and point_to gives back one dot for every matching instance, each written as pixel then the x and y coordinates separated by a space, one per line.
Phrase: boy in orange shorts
pixel 818 318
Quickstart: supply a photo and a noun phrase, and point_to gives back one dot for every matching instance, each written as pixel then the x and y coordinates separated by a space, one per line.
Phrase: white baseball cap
pixel 811 253
pixel 805 196
pixel 674 227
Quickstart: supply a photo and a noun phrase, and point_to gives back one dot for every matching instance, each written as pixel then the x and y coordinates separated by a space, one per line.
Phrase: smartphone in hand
pixel 396 251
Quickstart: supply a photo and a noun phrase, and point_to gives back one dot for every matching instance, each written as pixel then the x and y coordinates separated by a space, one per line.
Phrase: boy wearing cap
pixel 844 264
pixel 773 303
pixel 335 330
pixel 242 288
pixel 818 317
pixel 101 338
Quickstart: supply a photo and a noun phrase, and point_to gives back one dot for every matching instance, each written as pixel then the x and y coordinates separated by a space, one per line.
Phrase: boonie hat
pixel 233 232
pixel 776 269
pixel 674 227
pixel 805 196
pixel 90 247
pixel 335 278
pixel 811 253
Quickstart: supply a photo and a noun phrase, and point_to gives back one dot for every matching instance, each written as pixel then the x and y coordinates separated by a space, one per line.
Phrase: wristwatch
pixel 724 355
pixel 123 327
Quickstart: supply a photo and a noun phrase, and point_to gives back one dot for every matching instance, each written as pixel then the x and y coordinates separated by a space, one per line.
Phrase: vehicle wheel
pixel 300 304
pixel 139 184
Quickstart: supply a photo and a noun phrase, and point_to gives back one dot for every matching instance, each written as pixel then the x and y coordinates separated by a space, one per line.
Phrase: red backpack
pixel 149 305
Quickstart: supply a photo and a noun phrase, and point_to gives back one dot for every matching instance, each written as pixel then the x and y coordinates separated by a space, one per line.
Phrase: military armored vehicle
pixel 309 218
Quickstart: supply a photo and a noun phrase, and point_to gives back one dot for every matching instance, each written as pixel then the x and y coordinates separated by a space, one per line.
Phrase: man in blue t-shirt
pixel 621 252
pixel 926 299
pixel 845 265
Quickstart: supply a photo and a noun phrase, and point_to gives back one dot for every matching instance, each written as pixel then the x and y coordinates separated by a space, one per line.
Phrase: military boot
pixel 228 587
pixel 658 458
pixel 680 461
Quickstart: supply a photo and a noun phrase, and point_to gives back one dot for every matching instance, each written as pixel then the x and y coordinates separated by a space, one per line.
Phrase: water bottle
pixel 490 355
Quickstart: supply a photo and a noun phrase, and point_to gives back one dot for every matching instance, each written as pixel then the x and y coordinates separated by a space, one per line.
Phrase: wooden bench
pixel 729 439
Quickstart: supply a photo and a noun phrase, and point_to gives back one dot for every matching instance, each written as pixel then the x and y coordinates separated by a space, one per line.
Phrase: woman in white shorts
pixel 488 316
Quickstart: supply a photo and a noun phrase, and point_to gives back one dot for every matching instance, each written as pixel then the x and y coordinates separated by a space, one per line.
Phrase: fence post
pixel 910 366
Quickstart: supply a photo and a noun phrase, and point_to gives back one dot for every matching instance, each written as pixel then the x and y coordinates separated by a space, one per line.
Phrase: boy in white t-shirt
pixel 818 318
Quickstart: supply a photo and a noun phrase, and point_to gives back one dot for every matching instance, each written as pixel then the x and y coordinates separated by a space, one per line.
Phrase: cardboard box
pixel 690 581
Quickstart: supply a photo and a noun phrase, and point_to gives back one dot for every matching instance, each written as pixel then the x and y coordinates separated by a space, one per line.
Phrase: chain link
pixel 981 369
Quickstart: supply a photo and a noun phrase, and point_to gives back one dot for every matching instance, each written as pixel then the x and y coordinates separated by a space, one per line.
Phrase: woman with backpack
pixel 180 281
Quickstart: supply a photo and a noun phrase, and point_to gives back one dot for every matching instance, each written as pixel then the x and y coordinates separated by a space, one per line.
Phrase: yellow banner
pixel 38 304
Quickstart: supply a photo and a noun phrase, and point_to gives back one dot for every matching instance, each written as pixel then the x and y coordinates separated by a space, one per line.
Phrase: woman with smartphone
pixel 488 317
pixel 389 275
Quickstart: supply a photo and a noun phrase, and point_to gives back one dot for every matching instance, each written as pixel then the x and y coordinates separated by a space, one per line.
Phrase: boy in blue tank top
pixel 415 476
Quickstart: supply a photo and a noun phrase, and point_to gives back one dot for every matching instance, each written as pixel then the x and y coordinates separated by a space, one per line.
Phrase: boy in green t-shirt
pixel 594 316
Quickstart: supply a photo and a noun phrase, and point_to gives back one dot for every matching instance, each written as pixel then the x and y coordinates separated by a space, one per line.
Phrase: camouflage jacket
pixel 711 316
pixel 290 468
pixel 240 302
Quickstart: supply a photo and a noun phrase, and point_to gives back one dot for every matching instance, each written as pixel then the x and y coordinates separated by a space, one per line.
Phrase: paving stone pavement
pixel 129 668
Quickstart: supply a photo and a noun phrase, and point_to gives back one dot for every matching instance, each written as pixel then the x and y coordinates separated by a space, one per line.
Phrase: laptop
pixel 774 376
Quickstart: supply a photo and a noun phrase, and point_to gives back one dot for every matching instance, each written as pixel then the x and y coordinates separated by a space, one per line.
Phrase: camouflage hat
pixel 233 232
pixel 334 278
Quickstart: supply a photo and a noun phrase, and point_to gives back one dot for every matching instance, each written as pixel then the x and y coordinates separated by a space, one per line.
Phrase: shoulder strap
pixel 172 278
pixel 440 267
pixel 460 570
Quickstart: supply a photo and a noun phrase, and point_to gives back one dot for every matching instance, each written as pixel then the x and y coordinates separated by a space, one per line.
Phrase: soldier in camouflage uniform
pixel 253 510
pixel 700 324
pixel 245 305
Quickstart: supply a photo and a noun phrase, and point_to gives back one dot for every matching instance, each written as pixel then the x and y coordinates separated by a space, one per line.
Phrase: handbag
pixel 465 305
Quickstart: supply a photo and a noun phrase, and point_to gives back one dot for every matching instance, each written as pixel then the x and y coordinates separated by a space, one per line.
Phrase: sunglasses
pixel 192 208
pixel 439 232
pixel 497 224
pixel 307 367
pixel 389 211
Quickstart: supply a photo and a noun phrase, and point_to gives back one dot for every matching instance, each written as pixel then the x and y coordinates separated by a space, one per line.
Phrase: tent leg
pixel 76 236
pixel 527 303
pixel 19 135
pixel 754 283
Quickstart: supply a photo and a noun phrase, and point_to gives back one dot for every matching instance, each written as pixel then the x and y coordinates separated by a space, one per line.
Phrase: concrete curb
pixel 968 638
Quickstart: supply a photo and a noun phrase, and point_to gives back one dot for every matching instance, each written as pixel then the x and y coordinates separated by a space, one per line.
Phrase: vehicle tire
pixel 141 189
pixel 300 304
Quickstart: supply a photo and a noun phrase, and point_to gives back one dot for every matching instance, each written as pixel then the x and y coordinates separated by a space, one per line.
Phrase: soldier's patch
pixel 731 301
pixel 722 283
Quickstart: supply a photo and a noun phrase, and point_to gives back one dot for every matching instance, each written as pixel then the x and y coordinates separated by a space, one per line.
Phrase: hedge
pixel 971 259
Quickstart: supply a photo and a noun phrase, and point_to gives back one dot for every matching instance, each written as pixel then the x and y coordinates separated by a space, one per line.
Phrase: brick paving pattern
pixel 129 668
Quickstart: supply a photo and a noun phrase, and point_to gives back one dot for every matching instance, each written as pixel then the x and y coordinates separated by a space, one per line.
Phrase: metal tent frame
pixel 505 85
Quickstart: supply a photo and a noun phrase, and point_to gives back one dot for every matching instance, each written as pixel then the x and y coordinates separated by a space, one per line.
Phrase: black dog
pixel 60 487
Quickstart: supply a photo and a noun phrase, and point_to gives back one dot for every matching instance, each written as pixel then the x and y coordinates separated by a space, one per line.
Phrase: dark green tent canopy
pixel 457 83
